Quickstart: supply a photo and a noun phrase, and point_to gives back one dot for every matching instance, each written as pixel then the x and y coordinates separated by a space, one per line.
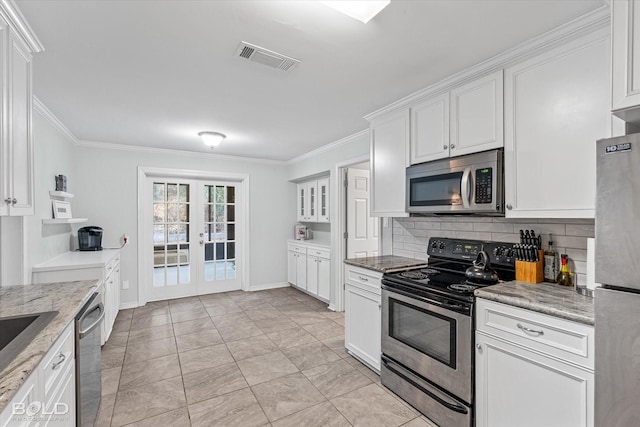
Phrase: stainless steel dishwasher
pixel 89 361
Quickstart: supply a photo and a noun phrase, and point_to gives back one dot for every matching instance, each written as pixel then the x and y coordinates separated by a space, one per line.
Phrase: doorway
pixel 362 229
pixel 193 235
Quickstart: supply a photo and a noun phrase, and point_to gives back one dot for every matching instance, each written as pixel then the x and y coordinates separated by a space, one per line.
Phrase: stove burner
pixel 429 271
pixel 415 275
pixel 462 287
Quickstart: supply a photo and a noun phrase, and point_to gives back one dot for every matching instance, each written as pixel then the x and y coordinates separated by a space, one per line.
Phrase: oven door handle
pixel 442 304
pixel 449 405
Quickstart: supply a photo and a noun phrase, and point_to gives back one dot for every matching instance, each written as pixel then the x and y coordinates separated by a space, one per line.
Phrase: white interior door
pixel 195 238
pixel 362 229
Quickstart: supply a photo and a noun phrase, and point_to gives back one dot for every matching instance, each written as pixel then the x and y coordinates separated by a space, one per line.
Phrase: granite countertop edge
pixel 545 298
pixel 386 263
pixel 67 298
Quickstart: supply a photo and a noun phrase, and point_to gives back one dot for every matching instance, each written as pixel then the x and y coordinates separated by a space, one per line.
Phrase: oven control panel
pixel 500 253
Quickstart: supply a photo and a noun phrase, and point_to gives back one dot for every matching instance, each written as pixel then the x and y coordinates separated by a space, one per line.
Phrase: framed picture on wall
pixel 61 209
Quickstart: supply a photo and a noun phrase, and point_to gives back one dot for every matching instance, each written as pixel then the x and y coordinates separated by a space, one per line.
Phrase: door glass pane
pixel 171 243
pixel 428 332
pixel 220 232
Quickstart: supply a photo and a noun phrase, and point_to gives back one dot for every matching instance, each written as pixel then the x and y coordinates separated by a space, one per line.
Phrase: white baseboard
pixel 332 307
pixel 127 305
pixel 265 286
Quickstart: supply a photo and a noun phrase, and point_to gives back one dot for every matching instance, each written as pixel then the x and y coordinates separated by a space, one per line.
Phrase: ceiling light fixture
pixel 212 139
pixel 362 10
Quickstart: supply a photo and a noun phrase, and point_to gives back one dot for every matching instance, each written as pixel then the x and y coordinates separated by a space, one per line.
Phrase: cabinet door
pixel 312 201
pixel 323 200
pixel 477 115
pixel 324 278
pixel 515 386
pixel 292 265
pixel 14 414
pixel 362 324
pixel 301 271
pixel 312 275
pixel 430 129
pixel 556 107
pixel 5 190
pixel 63 406
pixel 20 136
pixel 301 199
pixel 625 15
pixel 389 159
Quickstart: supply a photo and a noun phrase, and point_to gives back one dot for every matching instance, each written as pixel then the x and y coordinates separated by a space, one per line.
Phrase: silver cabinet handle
pixel 509 206
pixel 479 347
pixel 532 332
pixel 61 359
pixel 444 147
pixel 452 146
pixel 364 279
pixel 7 200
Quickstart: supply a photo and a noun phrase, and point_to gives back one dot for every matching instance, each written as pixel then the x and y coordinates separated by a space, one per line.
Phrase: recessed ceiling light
pixel 212 139
pixel 362 10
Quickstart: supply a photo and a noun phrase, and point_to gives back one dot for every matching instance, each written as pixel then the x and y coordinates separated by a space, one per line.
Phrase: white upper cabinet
pixel 556 107
pixel 465 120
pixel 477 115
pixel 389 159
pixel 312 202
pixel 626 57
pixel 17 44
pixel 430 129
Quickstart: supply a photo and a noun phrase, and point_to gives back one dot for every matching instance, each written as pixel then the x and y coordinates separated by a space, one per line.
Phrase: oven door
pixel 432 341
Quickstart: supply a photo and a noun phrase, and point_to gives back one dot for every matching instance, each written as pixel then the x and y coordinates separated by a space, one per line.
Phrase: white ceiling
pixel 155 73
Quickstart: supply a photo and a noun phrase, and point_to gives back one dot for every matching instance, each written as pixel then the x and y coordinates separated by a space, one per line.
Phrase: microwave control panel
pixel 484 185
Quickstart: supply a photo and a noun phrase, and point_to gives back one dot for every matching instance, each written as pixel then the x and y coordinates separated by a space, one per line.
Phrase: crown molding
pixel 173 152
pixel 328 147
pixel 11 13
pixel 585 24
pixel 42 109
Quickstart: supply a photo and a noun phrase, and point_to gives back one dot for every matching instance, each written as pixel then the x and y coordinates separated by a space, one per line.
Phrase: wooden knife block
pixel 532 272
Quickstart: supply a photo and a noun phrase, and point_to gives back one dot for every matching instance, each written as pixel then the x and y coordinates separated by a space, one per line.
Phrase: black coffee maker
pixel 90 238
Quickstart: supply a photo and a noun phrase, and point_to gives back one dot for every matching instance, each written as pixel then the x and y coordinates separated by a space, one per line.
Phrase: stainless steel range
pixel 428 329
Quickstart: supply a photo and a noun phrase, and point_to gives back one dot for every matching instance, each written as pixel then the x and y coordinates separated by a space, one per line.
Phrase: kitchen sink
pixel 16 332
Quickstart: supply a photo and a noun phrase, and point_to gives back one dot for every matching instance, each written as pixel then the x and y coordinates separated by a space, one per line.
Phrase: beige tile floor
pixel 268 358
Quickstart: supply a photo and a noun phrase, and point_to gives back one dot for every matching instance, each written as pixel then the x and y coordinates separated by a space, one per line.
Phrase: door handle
pixel 466 187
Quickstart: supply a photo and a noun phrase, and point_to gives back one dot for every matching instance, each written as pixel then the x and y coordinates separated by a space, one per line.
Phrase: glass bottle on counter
pixel 550 263
pixel 565 277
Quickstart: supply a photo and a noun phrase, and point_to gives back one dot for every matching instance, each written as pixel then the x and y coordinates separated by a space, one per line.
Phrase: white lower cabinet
pixel 309 268
pixel 532 369
pixel 103 265
pixel 363 314
pixel 48 396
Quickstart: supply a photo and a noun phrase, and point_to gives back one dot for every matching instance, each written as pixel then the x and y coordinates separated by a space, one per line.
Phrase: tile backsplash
pixel 410 235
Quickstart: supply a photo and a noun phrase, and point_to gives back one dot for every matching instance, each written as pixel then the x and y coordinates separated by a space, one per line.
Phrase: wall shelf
pixel 64 220
pixel 60 194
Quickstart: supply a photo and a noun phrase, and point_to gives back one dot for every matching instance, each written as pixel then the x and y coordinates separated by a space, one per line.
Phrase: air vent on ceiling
pixel 266 57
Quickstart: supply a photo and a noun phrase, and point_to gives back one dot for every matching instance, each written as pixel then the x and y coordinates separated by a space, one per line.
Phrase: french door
pixel 195 238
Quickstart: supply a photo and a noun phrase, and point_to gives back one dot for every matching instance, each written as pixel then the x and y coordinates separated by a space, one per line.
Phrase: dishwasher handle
pixel 84 332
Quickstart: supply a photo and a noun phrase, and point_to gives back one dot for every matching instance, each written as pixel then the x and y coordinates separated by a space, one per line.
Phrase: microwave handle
pixel 466 187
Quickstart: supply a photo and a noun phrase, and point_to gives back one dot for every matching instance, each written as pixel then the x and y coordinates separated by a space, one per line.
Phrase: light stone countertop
pixel 67 298
pixel 547 298
pixel 77 259
pixel 386 263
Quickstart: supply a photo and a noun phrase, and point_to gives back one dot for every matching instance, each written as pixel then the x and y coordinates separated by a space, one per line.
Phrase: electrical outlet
pixel 125 284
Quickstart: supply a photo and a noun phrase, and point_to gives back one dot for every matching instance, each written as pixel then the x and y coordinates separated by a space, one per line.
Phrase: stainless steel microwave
pixel 471 184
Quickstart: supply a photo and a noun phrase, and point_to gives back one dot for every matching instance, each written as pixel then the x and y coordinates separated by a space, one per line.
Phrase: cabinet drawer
pixel 57 360
pixel 564 339
pixel 363 278
pixel 113 265
pixel 319 252
pixel 297 248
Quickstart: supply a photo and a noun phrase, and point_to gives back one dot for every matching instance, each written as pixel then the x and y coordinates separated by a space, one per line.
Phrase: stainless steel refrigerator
pixel 617 268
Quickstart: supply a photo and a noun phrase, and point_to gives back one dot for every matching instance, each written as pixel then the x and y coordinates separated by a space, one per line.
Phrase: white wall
pixel 53 155
pixel 107 195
